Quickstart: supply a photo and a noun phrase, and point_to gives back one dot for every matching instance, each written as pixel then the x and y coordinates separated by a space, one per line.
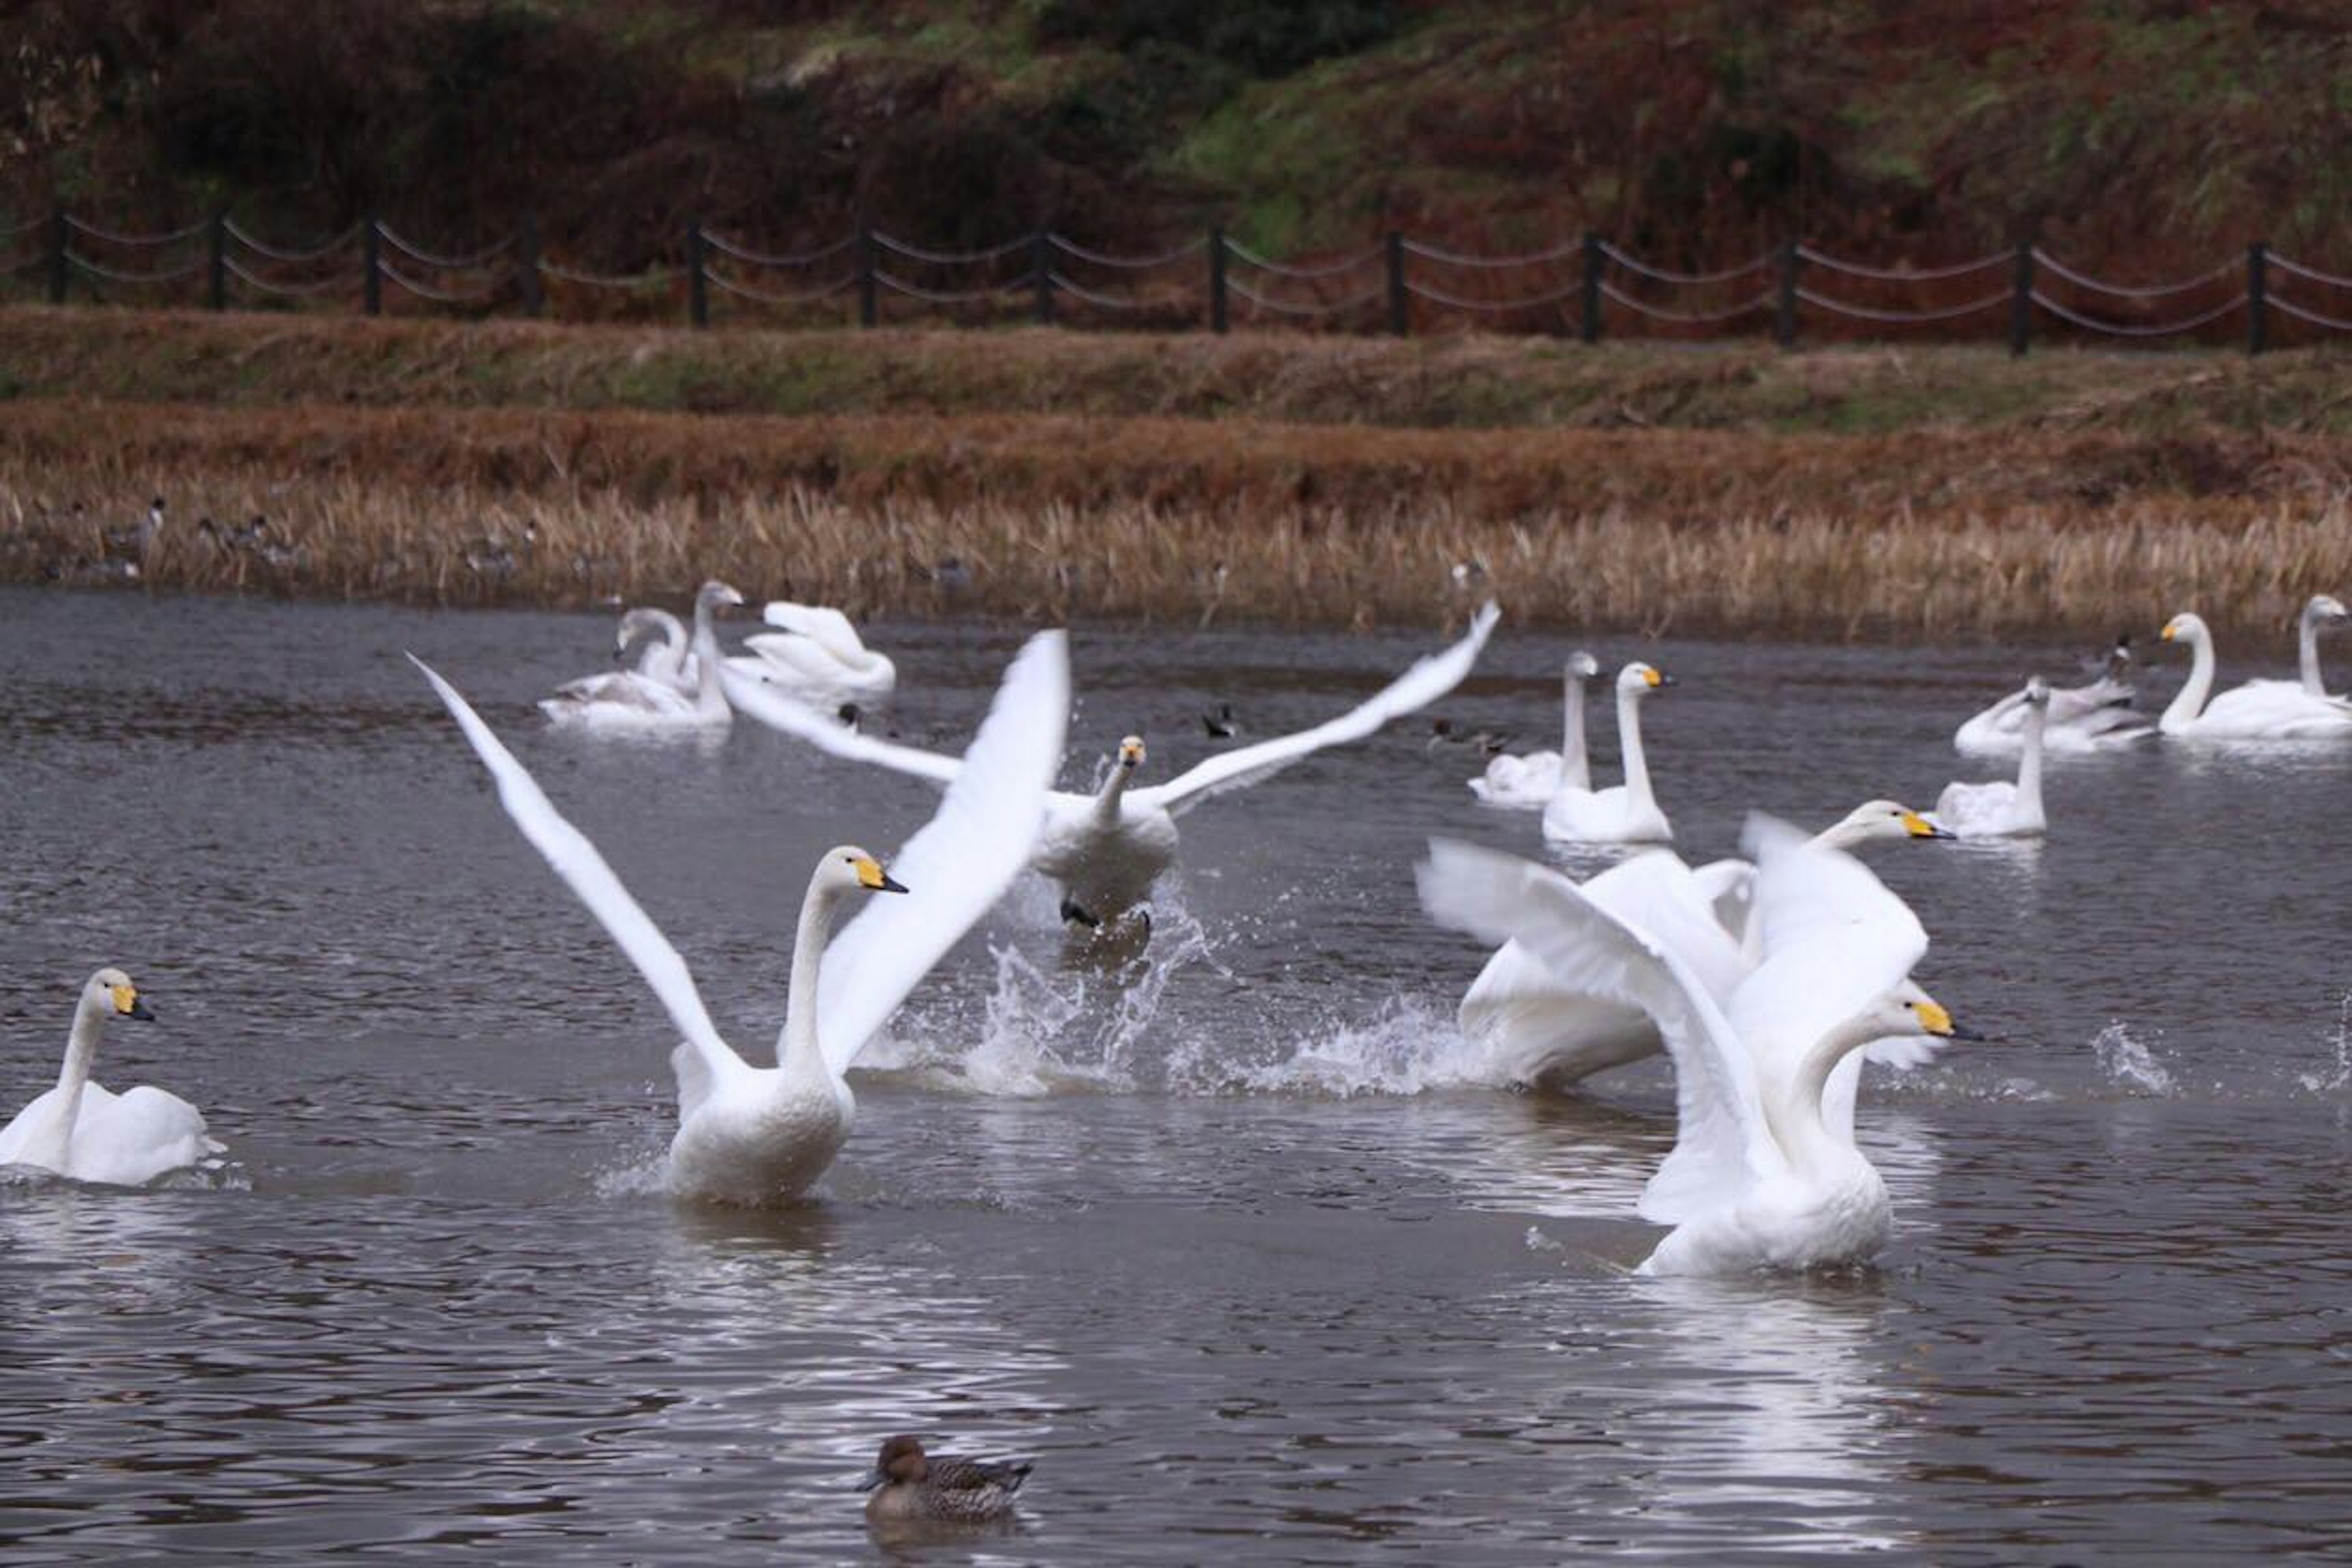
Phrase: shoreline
pixel 1973 519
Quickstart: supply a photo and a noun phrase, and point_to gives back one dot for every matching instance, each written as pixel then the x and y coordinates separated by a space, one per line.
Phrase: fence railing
pixel 1588 287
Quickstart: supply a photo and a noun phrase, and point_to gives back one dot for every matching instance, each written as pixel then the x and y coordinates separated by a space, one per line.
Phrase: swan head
pixel 1876 819
pixel 1130 752
pixel 2185 627
pixel 635 624
pixel 1640 679
pixel 715 594
pixel 1583 665
pixel 1908 1012
pixel 110 991
pixel 2327 609
pixel 902 1460
pixel 2037 691
pixel 846 869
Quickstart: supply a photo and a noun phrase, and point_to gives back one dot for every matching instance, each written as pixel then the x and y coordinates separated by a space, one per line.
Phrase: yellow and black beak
pixel 128 1005
pixel 1657 677
pixel 871 876
pixel 2166 635
pixel 1131 754
pixel 1937 1021
pixel 1919 827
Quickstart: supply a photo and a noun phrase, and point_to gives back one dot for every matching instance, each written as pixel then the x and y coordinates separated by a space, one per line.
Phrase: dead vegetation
pixel 1945 532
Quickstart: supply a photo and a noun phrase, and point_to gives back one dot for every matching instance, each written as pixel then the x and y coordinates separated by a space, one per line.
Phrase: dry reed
pixel 1928 536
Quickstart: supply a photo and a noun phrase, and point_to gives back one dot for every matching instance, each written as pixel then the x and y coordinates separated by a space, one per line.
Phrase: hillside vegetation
pixel 2142 137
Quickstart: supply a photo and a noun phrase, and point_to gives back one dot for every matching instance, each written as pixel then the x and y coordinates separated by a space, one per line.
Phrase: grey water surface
pixel 1235 1241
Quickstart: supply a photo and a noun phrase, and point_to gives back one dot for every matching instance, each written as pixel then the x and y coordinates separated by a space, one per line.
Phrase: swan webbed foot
pixel 1074 913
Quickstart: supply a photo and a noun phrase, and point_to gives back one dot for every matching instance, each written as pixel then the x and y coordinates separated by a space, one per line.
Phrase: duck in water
pixel 909 1487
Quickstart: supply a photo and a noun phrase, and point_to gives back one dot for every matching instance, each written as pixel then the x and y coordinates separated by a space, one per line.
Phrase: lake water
pixel 1237 1244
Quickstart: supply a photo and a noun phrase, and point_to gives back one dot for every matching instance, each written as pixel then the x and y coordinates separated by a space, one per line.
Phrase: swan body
pixel 750 1134
pixel 1759 1178
pixel 2259 711
pixel 672 688
pixel 2090 718
pixel 2000 809
pixel 1628 812
pixel 81 1131
pixel 1531 781
pixel 1106 850
pixel 1541 1031
pixel 817 656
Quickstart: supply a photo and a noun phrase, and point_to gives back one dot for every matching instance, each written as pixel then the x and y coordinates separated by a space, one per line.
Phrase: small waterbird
pixel 911 1487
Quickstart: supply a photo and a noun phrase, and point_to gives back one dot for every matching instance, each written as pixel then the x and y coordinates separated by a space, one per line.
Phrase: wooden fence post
pixel 372 261
pixel 1592 260
pixel 1397 300
pixel 56 255
pixel 1784 321
pixel 217 240
pixel 2020 300
pixel 2258 296
pixel 869 307
pixel 535 289
pixel 1217 317
pixel 698 277
pixel 1041 266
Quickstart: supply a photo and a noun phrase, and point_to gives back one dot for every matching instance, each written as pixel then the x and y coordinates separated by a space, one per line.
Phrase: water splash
pixel 1406 1047
pixel 2129 1064
pixel 2340 1074
pixel 1081 1028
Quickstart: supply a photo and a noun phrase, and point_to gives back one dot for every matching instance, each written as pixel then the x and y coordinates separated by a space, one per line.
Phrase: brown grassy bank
pixel 1446 383
pixel 1925 533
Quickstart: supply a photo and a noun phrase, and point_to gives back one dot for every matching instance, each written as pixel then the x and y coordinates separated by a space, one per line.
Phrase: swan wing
pixel 593 881
pixel 960 862
pixel 1722 1143
pixel 1835 940
pixel 828 629
pixel 778 712
pixel 1428 679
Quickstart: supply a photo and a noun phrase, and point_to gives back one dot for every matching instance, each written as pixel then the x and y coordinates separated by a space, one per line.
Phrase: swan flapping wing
pixel 1428 679
pixel 960 862
pixel 826 628
pixel 594 882
pixel 1722 1143
pixel 751 697
pixel 1835 938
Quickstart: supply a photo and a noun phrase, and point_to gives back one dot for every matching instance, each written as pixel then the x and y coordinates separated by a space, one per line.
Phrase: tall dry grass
pixel 1934 534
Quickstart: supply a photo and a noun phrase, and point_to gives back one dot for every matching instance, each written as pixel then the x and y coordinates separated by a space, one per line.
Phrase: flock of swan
pixel 1768 981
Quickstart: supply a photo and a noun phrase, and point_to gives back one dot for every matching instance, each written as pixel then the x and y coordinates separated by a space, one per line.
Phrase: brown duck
pixel 909 1486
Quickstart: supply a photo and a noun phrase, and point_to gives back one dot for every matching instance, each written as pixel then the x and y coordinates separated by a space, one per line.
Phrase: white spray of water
pixel 2339 1074
pixel 2129 1064
pixel 1405 1047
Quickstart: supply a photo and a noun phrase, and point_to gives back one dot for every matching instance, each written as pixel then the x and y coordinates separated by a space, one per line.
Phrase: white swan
pixel 666 690
pixel 2090 718
pixel 1531 781
pixel 2000 809
pixel 1758 1176
pixel 757 1134
pixel 2322 611
pixel 1627 813
pixel 81 1131
pixel 817 656
pixel 1538 1031
pixel 2260 711
pixel 1106 850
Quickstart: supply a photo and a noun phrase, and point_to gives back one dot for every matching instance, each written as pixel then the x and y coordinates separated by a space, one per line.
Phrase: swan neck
pixel 1576 768
pixel 800 1054
pixel 672 647
pixel 81 1055
pixel 2029 766
pixel 2307 656
pixel 710 698
pixel 1629 740
pixel 1114 787
pixel 2191 701
pixel 1793 1109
